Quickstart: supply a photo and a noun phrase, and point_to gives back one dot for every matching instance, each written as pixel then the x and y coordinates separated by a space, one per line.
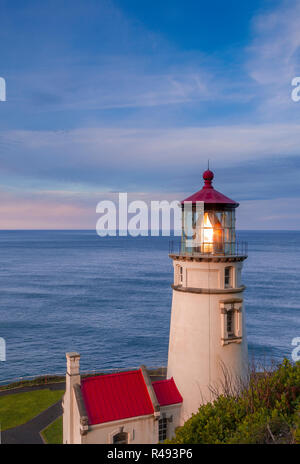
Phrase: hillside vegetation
pixel 266 411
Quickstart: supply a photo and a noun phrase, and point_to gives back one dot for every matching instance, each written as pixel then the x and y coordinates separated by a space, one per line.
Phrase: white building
pixel 207 338
pixel 125 407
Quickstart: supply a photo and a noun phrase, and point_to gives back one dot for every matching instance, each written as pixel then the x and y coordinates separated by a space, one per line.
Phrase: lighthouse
pixel 207 345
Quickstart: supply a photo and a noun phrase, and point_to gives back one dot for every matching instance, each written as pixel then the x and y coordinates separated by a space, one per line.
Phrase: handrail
pixel 238 248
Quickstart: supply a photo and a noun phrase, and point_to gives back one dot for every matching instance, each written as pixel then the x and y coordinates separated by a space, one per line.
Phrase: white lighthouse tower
pixel 207 332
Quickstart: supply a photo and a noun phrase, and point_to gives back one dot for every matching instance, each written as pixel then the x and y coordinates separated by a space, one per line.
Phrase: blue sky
pixel 106 96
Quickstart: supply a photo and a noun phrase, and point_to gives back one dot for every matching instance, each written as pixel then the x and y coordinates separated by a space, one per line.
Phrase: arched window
pixel 120 438
pixel 180 275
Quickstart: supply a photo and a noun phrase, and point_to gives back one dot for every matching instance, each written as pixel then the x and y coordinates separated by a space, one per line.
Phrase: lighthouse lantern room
pixel 207 331
pixel 212 229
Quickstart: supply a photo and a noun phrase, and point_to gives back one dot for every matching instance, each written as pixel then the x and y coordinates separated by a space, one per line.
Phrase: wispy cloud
pixel 251 162
pixel 274 59
pixel 70 210
pixel 276 214
pixel 59 154
pixel 105 104
pixel 93 57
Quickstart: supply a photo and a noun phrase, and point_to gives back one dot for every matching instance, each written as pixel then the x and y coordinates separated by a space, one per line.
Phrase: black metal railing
pixel 237 248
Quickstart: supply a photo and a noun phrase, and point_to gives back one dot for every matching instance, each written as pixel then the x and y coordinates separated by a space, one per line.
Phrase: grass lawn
pixel 19 408
pixel 53 434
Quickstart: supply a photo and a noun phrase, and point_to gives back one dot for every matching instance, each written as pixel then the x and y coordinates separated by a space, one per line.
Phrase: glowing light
pixel 208 234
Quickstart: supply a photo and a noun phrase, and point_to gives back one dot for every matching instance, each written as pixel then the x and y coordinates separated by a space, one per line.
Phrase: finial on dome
pixel 208 176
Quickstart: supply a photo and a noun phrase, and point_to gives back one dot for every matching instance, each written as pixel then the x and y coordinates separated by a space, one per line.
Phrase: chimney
pixel 73 363
pixel 72 379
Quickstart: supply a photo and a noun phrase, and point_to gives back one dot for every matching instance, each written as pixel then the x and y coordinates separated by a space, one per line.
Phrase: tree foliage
pixel 267 410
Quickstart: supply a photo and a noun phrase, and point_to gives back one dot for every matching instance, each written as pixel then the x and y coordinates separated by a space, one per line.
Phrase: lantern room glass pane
pixel 212 232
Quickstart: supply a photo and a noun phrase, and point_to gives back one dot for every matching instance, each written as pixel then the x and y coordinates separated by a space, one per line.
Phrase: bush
pixel 266 411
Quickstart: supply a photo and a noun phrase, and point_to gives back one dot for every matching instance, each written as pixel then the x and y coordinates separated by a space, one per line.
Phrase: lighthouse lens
pixel 212 232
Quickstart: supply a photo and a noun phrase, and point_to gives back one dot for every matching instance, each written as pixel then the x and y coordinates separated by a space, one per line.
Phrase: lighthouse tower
pixel 207 333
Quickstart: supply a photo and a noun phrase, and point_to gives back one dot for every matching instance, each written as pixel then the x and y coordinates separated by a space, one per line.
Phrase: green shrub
pixel 266 411
pixel 260 428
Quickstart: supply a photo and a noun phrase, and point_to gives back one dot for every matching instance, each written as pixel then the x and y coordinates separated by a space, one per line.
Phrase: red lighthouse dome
pixel 209 195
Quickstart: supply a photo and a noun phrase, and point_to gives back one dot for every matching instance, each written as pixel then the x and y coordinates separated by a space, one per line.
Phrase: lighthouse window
pixel 230 323
pixel 181 275
pixel 162 429
pixel 227 277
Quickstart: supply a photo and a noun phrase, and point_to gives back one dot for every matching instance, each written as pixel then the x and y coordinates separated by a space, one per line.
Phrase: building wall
pixel 66 420
pixel 70 413
pixel 171 411
pixel 141 430
pixel 77 437
pixel 70 422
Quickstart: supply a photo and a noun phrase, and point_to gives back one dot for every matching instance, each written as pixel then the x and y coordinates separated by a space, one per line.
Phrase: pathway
pixel 29 433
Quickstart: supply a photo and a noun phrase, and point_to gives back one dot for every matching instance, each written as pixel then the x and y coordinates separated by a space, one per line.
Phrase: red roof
pixel 116 396
pixel 209 195
pixel 167 392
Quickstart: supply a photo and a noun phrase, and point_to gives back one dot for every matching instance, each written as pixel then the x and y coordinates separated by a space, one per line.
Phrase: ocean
pixel 110 299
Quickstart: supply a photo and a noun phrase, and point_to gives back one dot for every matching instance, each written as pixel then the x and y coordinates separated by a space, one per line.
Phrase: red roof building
pixel 166 392
pixel 120 408
pixel 114 397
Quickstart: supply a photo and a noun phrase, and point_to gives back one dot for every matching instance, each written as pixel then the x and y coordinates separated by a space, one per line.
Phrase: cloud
pixel 99 59
pixel 273 59
pixel 115 84
pixel 18 211
pixel 73 210
pixel 137 114
pixel 276 214
pixel 91 56
pixel 104 155
pixel 27 209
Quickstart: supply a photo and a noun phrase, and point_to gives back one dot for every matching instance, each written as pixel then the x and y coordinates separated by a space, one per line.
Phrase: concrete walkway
pixel 29 433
